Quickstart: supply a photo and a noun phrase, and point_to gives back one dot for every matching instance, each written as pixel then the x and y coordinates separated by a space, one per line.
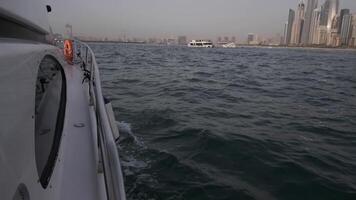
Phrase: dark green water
pixel 243 123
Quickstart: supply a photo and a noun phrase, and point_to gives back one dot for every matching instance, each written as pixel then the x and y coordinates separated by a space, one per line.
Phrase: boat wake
pixel 127 134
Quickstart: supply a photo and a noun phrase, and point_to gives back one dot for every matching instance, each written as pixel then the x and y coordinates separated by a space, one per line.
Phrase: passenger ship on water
pixel 201 44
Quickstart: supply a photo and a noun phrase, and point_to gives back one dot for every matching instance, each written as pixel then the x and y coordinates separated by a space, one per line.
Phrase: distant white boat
pixel 229 45
pixel 201 43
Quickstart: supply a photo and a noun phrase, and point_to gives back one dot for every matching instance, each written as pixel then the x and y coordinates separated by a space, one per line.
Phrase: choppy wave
pixel 126 133
pixel 243 123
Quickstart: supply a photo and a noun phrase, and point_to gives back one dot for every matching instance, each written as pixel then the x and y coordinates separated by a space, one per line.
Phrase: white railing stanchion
pixel 110 156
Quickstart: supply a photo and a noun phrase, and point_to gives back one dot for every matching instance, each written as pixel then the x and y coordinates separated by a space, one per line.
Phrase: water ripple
pixel 245 123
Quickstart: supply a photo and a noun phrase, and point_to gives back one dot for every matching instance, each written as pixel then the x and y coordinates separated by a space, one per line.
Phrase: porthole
pixel 50 106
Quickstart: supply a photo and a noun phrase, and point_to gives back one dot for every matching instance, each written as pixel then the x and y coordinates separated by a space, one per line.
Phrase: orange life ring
pixel 68 51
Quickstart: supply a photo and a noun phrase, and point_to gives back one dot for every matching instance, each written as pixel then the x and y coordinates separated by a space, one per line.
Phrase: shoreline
pixel 295 47
pixel 240 46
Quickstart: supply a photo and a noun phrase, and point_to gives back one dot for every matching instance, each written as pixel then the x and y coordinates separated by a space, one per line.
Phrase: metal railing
pixel 109 155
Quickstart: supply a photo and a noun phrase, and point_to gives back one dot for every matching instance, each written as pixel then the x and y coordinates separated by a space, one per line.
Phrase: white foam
pixel 126 132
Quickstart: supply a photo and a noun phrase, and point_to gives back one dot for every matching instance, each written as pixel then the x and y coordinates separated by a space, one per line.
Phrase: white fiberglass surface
pixel 75 172
pixel 32 13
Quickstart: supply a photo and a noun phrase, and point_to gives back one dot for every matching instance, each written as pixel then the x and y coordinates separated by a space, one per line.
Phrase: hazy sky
pixel 164 18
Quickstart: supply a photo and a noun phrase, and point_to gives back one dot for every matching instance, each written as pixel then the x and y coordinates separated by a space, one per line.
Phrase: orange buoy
pixel 68 51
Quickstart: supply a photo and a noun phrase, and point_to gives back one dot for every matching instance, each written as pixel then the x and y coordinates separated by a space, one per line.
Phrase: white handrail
pixel 110 157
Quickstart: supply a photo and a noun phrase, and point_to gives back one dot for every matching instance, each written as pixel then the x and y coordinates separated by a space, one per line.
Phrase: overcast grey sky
pixel 164 18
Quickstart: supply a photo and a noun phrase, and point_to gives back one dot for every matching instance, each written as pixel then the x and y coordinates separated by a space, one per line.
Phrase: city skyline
pixel 158 18
pixel 320 25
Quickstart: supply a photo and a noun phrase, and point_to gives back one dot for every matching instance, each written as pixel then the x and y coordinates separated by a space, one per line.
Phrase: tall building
pixel 250 38
pixel 324 10
pixel 310 7
pixel 323 35
pixel 346 29
pixel 288 31
pixel 335 23
pixel 182 40
pixel 333 8
pixel 353 32
pixel 329 11
pixel 314 27
pixel 298 24
pixel 342 13
pixel 335 40
pixel 284 41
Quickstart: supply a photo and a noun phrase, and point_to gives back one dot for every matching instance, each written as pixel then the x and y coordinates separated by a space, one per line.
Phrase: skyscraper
pixel 353 34
pixel 322 29
pixel 182 40
pixel 329 10
pixel 332 13
pixel 284 41
pixel 310 6
pixel 323 35
pixel 324 10
pixel 314 27
pixel 298 24
pixel 328 14
pixel 335 23
pixel 342 13
pixel 346 29
pixel 288 32
pixel 333 8
pixel 251 38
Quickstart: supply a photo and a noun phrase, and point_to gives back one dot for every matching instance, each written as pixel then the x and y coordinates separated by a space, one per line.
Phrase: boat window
pixel 49 116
